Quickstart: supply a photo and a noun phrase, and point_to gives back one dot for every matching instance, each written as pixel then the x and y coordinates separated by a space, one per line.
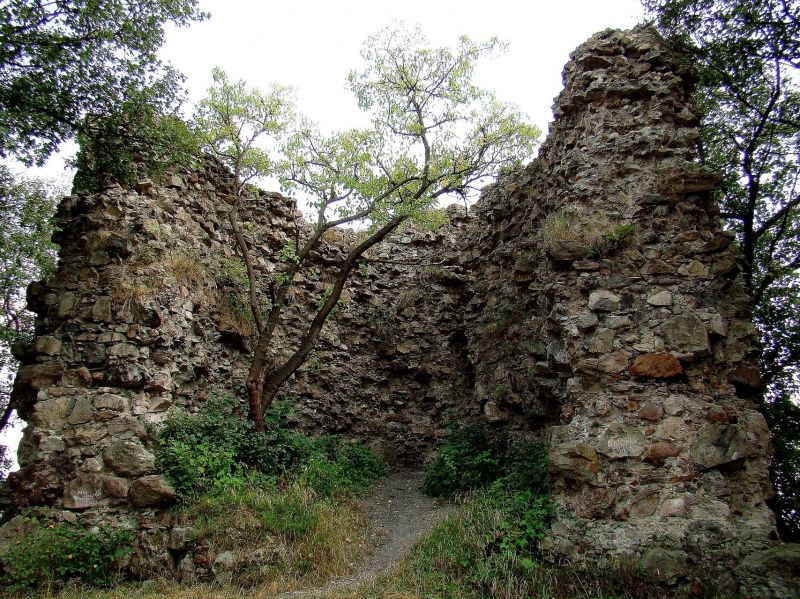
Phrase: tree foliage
pixel 232 120
pixel 434 133
pixel 64 60
pixel 26 254
pixel 748 52
pixel 136 140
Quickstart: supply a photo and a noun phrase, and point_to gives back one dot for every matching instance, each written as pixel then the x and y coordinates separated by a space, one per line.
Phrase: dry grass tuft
pixel 186 270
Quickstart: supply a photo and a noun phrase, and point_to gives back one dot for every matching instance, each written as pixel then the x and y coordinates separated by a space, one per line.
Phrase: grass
pixel 458 559
pixel 590 228
pixel 294 541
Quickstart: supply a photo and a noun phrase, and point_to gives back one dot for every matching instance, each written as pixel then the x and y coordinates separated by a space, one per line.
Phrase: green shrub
pixel 361 466
pixel 197 468
pixel 63 552
pixel 469 459
pixel 524 466
pixel 523 522
pixel 218 449
pixel 487 548
pixel 334 464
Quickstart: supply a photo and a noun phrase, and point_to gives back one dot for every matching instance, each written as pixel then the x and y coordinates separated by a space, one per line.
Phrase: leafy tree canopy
pixel 233 119
pixel 26 254
pixel 63 60
pixel 434 133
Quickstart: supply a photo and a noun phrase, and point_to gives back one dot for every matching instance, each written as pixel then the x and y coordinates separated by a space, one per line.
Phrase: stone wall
pixel 593 301
pixel 608 304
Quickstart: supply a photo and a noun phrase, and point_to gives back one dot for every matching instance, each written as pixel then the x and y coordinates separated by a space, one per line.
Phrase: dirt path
pixel 400 514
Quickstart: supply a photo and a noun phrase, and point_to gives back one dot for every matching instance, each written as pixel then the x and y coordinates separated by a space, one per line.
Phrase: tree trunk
pixel 255 413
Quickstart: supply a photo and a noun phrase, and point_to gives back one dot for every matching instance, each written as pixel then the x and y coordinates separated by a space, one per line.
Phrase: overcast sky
pixel 312 45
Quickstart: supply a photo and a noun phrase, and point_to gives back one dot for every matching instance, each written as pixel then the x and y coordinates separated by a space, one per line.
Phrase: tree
pixel 26 254
pixel 748 53
pixel 229 123
pixel 64 60
pixel 433 134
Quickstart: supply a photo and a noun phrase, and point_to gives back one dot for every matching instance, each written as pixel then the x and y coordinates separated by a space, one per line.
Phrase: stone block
pixel 52 413
pixel 101 310
pixel 723 446
pixel 686 334
pixel 129 458
pixel 662 299
pixel 82 411
pixel 48 345
pixel 603 300
pixel 614 362
pixel 659 365
pixel 152 491
pixel 621 441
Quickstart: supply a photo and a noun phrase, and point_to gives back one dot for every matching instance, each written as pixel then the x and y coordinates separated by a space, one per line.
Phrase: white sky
pixel 312 45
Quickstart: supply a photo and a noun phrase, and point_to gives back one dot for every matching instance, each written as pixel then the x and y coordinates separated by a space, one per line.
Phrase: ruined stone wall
pixel 593 301
pixel 147 313
pixel 608 306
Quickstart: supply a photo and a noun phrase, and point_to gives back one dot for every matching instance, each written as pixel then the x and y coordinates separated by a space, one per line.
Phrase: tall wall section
pixel 608 305
pixel 148 314
pixel 592 301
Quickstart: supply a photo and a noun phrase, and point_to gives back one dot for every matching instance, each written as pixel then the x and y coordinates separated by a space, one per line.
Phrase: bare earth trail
pixel 401 514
